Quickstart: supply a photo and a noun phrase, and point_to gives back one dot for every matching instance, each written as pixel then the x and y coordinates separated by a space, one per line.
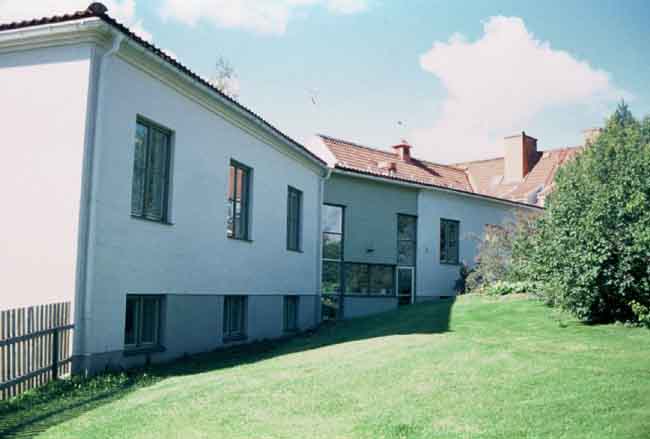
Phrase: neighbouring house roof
pixel 350 156
pixel 98 10
pixel 486 176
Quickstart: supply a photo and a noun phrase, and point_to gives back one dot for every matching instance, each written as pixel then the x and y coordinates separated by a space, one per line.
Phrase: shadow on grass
pixel 35 412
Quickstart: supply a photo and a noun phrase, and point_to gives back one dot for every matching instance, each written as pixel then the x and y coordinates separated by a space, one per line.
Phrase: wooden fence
pixel 35 347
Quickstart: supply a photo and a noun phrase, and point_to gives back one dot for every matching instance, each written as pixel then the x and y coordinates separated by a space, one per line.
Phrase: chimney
pixel 521 156
pixel 591 134
pixel 403 151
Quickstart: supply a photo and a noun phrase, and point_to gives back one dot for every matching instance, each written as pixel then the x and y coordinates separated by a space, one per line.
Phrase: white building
pixel 177 221
pixel 119 194
pixel 397 229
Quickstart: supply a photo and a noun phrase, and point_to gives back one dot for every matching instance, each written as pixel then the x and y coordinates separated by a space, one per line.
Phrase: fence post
pixel 55 355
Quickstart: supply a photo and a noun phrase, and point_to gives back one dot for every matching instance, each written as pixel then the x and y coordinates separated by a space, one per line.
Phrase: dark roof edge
pixel 99 11
pixel 444 188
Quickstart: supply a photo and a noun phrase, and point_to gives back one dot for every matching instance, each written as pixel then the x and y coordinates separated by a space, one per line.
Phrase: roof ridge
pixel 477 161
pixel 558 149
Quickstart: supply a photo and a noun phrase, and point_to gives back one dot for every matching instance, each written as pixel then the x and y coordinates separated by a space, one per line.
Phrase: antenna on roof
pixel 313 95
pixel 403 130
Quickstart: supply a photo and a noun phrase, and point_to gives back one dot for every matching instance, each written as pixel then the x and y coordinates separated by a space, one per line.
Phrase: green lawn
pixel 476 368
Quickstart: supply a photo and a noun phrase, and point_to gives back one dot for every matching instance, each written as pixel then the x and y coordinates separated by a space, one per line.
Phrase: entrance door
pixel 405 285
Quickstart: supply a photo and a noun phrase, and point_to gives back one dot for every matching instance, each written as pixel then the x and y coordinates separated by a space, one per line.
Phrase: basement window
pixel 234 318
pixel 291 313
pixel 142 322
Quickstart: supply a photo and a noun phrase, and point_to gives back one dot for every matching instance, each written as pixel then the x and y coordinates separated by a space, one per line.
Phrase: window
pixel 294 219
pixel 142 323
pixel 371 279
pixel 238 201
pixel 150 189
pixel 234 317
pixel 449 233
pixel 291 313
pixel 332 248
pixel 406 239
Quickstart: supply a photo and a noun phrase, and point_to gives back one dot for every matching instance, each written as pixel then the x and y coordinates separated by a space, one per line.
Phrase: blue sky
pixel 550 68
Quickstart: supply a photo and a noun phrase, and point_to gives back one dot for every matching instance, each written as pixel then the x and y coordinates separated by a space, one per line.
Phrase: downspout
pixel 95 149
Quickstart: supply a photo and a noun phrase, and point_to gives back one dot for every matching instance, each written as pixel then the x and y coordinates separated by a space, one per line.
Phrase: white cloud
pixel 122 10
pixel 261 16
pixel 498 84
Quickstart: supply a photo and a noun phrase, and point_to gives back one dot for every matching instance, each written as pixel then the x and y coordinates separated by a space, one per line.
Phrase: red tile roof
pixel 481 177
pixel 356 157
pixel 487 176
pixel 98 10
pixel 361 159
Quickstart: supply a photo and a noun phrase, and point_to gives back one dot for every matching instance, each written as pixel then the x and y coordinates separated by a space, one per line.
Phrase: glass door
pixel 405 285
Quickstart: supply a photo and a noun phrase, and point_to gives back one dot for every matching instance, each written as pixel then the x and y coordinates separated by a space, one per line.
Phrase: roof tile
pixel 368 160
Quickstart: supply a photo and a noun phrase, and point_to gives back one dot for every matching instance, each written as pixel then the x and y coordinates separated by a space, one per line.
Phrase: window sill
pixel 449 263
pixel 293 250
pixel 234 338
pixel 131 352
pixel 240 239
pixel 149 220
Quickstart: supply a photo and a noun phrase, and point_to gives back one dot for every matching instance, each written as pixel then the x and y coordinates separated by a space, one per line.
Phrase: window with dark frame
pixel 332 248
pixel 369 279
pixel 238 223
pixel 291 313
pixel 294 219
pixel 150 186
pixel 449 241
pixel 234 317
pixel 142 322
pixel 406 240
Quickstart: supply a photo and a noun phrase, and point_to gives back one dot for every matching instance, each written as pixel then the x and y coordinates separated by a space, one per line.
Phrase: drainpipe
pixel 95 151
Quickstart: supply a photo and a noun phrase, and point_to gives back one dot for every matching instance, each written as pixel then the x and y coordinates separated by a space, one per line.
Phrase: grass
pixel 477 368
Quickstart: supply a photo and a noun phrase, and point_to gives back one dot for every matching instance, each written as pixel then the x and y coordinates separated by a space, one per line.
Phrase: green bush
pixel 642 313
pixel 494 261
pixel 461 283
pixel 504 288
pixel 593 242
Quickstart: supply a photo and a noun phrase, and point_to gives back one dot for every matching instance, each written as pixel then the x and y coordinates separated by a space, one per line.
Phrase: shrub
pixel 504 288
pixel 593 242
pixel 642 313
pixel 494 260
pixel 461 283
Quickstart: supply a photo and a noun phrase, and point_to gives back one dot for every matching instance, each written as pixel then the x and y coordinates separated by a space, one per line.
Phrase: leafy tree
pixel 225 78
pixel 592 246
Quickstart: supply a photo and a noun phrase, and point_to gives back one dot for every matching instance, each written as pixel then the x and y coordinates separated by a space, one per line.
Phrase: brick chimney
pixel 403 150
pixel 520 157
pixel 591 134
